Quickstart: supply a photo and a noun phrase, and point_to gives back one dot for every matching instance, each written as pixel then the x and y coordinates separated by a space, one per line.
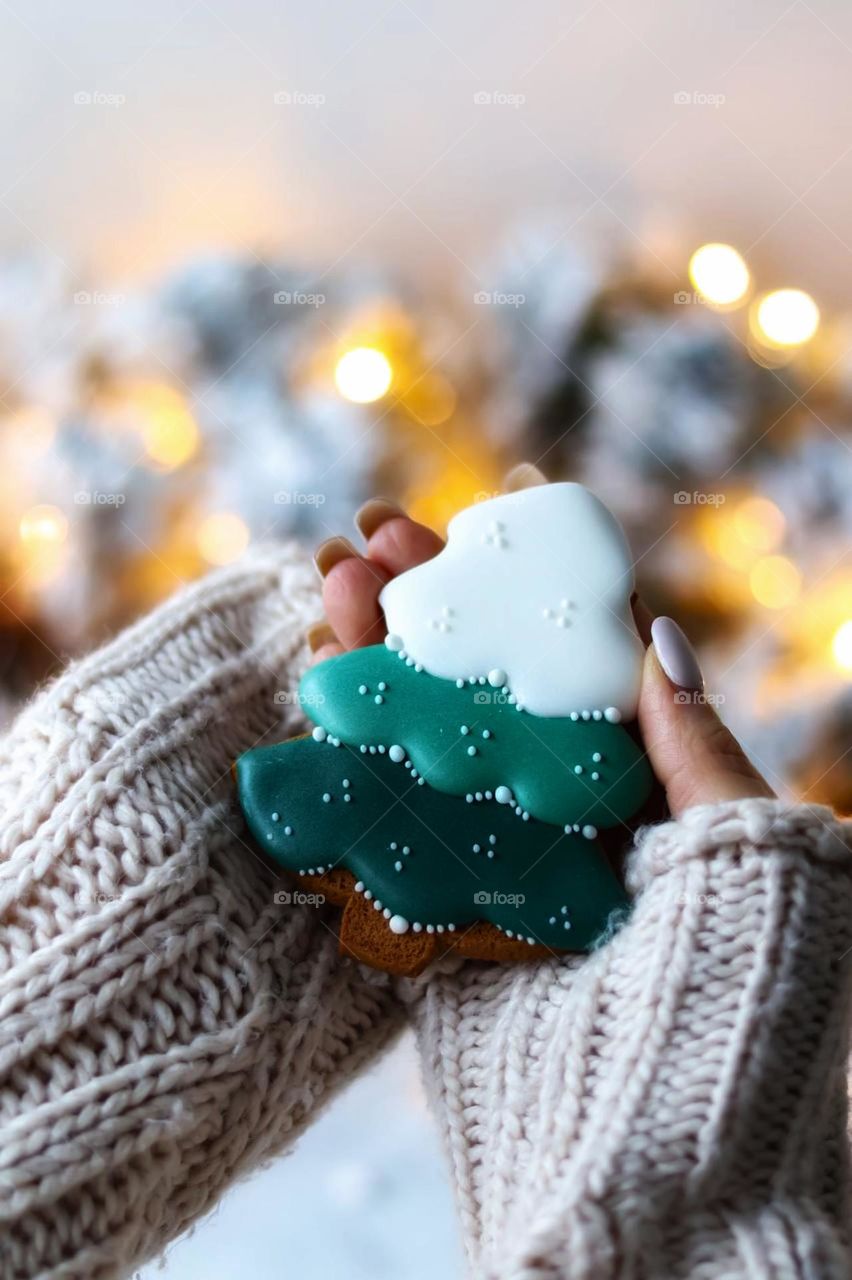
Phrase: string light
pixel 719 274
pixel 775 582
pixel 841 646
pixel 222 537
pixel 786 318
pixel 363 375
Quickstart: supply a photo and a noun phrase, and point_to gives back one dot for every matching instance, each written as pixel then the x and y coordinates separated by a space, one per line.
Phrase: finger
pixel 322 642
pixel 695 757
pixel 401 544
pixel 643 618
pixel 350 596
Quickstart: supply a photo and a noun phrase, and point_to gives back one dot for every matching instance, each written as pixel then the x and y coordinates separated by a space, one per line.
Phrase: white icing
pixel 399 924
pixel 562 554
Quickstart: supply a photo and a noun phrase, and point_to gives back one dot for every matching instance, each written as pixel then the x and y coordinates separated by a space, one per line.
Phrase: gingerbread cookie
pixel 453 788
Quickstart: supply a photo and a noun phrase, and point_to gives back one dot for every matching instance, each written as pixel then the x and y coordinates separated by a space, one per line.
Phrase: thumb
pixel 695 757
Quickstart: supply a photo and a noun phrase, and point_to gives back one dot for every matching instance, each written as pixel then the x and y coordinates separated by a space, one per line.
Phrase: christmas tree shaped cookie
pixel 453 788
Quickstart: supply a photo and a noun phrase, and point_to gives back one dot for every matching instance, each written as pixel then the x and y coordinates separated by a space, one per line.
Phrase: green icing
pixel 472 739
pixel 446 876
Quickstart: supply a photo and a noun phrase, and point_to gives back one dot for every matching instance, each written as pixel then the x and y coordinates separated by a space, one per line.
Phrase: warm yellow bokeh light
pixel 43 525
pixel 363 375
pixel 222 537
pixel 719 274
pixel 169 431
pixel 841 645
pixel 775 582
pixel 787 317
pixel 759 524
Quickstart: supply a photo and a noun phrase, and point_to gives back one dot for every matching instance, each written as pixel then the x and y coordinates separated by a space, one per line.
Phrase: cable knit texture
pixel 673 1105
pixel 164 1023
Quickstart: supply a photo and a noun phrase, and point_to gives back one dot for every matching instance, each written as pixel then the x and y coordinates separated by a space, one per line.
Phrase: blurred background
pixel 258 262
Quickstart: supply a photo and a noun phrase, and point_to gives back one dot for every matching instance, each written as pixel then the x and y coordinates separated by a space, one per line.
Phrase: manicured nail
pixel 525 475
pixel 331 552
pixel 675 654
pixel 374 514
pixel 318 635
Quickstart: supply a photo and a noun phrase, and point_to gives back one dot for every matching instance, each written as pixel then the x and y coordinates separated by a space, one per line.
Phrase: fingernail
pixel 331 552
pixel 318 635
pixel 373 514
pixel 525 475
pixel 676 655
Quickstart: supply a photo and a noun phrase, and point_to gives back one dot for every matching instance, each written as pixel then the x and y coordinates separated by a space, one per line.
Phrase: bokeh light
pixel 43 525
pixel 222 537
pixel 841 646
pixel 786 317
pixel 775 582
pixel 759 524
pixel 719 274
pixel 363 375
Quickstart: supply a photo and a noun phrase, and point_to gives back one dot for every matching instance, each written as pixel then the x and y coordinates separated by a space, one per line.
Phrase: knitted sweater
pixel 673 1105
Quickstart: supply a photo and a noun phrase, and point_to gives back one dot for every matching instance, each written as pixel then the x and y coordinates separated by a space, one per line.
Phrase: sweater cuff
pixel 767 828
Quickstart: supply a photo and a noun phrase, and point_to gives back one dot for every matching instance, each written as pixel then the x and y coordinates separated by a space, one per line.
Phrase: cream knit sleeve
pixel 165 1024
pixel 674 1105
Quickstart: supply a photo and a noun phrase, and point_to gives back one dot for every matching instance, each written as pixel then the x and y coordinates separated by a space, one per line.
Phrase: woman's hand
pixel 693 755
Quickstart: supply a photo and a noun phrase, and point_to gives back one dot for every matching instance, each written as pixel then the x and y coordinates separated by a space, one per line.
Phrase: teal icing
pixel 427 856
pixel 466 738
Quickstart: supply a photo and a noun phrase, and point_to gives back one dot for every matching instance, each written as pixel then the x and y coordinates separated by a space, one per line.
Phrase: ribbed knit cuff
pixel 762 827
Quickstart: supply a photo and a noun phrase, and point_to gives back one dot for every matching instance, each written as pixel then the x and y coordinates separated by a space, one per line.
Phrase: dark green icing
pixel 442 873
pixel 535 756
